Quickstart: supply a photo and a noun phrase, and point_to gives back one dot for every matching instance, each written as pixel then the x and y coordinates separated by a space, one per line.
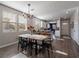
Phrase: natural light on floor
pixel 61 52
pixel 20 55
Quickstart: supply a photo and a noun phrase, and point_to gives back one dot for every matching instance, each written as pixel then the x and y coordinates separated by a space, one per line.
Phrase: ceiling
pixel 43 9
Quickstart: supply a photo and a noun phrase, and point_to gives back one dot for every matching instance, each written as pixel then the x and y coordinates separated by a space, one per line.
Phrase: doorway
pixel 65 27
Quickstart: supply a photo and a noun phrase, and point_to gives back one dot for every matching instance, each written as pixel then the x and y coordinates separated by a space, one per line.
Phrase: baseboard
pixel 75 43
pixel 8 44
pixel 74 40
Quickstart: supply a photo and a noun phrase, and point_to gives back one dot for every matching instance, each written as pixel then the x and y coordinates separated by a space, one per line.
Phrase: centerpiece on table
pixel 31 28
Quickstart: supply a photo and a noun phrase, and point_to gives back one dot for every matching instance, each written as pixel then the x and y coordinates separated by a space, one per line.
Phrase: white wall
pixel 75 29
pixel 9 37
pixel 72 29
pixel 58 31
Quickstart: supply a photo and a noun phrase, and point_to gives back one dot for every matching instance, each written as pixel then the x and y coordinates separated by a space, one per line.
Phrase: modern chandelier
pixel 29 16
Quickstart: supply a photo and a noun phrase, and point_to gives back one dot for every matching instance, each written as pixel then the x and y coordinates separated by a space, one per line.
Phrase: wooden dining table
pixel 43 33
pixel 35 37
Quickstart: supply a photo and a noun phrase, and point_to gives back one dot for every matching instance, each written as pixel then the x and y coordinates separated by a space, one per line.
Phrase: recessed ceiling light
pixel 67 12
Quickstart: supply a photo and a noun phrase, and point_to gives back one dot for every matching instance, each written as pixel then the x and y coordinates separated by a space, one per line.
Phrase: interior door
pixel 65 29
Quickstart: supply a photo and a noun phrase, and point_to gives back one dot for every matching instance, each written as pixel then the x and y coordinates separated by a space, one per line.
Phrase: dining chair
pixel 19 42
pixel 22 44
pixel 48 45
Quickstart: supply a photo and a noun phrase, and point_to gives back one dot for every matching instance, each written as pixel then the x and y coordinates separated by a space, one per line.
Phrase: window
pixel 9 21
pixel 9 27
pixel 41 23
pixel 9 17
pixel 12 22
pixel 22 23
pixel 37 24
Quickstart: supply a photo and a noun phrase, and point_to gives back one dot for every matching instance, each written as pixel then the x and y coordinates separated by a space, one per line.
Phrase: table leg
pixel 43 44
pixel 30 46
pixel 43 47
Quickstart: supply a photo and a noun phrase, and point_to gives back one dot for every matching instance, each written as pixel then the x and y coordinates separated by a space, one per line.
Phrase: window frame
pixel 16 22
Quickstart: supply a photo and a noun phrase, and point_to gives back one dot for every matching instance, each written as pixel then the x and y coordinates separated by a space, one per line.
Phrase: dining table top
pixel 34 36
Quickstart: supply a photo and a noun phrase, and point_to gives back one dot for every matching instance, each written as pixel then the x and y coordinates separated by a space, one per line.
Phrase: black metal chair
pixel 48 45
pixel 19 42
pixel 25 44
pixel 22 44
